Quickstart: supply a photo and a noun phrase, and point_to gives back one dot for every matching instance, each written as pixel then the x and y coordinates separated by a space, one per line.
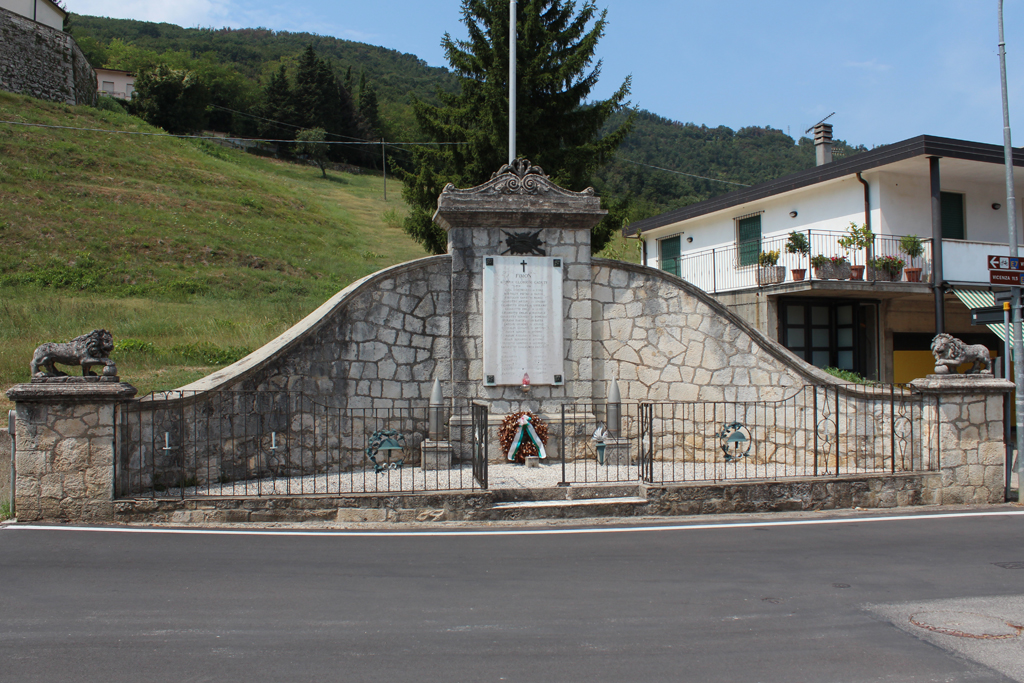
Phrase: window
pixel 669 255
pixel 108 86
pixel 129 90
pixel 748 239
pixel 832 333
pixel 953 221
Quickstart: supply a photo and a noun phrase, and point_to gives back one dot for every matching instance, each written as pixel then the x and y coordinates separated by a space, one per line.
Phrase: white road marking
pixel 514 532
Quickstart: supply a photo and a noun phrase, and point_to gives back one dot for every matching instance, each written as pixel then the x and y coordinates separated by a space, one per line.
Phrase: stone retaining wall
pixel 666 340
pixel 43 62
pixel 963 430
pixel 5 466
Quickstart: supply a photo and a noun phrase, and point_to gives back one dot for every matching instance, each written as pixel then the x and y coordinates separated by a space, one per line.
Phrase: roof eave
pixel 923 145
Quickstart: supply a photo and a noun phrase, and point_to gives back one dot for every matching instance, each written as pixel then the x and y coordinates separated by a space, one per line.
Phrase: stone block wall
pixel 5 466
pixel 468 247
pixel 963 430
pixel 665 340
pixel 43 62
pixel 65 462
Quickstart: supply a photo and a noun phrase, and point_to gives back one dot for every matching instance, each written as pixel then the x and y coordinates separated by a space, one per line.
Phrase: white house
pixel 950 193
pixel 115 83
pixel 45 12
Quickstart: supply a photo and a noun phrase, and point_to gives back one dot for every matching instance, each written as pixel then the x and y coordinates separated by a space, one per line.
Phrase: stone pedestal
pixel 64 461
pixel 963 436
pixel 435 455
pixel 616 452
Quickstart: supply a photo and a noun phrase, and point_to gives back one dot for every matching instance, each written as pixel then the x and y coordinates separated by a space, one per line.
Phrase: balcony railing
pixel 734 267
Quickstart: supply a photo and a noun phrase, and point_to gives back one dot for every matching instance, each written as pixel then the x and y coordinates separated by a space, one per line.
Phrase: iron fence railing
pixel 181 444
pixel 272 443
pixel 818 431
pixel 734 266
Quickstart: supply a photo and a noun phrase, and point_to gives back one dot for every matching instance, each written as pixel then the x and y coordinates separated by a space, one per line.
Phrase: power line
pixel 689 175
pixel 217 137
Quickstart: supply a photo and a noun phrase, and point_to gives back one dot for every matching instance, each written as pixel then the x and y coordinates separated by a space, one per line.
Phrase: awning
pixel 973 298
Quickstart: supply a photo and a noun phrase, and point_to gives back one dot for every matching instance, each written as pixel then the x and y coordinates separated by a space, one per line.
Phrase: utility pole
pixel 384 165
pixel 1011 217
pixel 513 36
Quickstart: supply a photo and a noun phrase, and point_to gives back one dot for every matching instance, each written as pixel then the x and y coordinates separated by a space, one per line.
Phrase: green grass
pixel 196 252
pixel 848 376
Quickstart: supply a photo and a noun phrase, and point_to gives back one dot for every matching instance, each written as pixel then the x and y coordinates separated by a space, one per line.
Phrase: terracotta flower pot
pixel 913 274
pixel 798 274
pixel 856 272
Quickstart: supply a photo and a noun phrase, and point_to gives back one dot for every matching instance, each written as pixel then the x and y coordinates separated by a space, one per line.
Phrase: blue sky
pixel 890 69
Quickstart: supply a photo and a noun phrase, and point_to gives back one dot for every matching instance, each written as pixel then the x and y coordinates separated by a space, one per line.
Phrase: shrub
pixel 890 264
pixel 797 243
pixel 911 245
pixel 768 258
pixel 848 376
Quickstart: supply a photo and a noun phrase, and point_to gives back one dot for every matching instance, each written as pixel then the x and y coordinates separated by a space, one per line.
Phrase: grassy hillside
pixel 190 253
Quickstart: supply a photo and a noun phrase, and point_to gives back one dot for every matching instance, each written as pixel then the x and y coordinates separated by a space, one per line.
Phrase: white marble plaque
pixel 523 323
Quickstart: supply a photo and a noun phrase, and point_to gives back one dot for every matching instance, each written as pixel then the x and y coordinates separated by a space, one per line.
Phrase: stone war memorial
pixel 515 376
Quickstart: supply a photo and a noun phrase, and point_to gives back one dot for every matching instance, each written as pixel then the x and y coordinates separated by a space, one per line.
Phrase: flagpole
pixel 512 38
pixel 1011 218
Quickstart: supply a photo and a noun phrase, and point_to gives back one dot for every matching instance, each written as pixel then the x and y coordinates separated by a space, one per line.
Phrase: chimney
pixel 823 143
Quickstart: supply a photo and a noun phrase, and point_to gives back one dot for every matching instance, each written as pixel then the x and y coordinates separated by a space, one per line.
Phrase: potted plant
pixel 857 238
pixel 912 246
pixel 886 268
pixel 798 244
pixel 768 270
pixel 830 267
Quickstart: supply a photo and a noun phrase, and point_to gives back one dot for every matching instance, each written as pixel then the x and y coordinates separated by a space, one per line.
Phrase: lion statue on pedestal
pixel 87 350
pixel 950 352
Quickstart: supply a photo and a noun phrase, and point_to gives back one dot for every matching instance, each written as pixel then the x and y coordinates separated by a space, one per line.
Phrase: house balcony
pixel 734 267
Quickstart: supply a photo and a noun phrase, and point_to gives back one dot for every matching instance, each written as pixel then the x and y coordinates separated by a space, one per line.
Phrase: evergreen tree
pixel 557 128
pixel 278 108
pixel 368 107
pixel 323 102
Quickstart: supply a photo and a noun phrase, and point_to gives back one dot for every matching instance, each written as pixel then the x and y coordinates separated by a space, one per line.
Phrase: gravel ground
pixel 501 476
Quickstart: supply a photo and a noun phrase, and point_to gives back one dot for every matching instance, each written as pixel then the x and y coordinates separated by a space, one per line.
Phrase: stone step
pixel 534 504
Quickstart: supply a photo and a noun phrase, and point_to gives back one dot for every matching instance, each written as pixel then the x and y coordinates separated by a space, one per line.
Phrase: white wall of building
pixel 900 205
pixel 115 83
pixel 43 11
pixel 906 207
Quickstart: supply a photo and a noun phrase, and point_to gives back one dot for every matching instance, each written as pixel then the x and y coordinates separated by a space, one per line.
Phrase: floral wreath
pixel 523 435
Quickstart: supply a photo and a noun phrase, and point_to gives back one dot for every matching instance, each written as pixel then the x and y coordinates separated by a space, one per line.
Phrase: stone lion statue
pixel 950 352
pixel 87 350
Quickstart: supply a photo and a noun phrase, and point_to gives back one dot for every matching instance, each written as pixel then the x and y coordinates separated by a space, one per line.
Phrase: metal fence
pixel 817 432
pixel 734 267
pixel 269 443
pixel 179 444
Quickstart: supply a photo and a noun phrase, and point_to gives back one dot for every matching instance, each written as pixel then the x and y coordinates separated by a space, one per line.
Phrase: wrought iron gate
pixel 479 437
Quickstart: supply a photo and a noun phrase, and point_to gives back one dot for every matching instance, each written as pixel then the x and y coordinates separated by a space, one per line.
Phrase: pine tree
pixel 321 101
pixel 278 108
pixel 557 128
pixel 368 107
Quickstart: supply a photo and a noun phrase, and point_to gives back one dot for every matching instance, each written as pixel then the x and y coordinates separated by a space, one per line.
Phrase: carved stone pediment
pixel 520 177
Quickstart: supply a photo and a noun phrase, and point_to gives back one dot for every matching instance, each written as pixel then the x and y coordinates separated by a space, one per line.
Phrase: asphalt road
pixel 818 602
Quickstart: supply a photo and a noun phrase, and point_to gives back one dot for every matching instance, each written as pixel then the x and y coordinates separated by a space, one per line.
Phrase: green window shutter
pixel 953 227
pixel 669 261
pixel 749 240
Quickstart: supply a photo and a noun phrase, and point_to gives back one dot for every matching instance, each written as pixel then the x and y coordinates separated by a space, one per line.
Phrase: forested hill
pixel 751 155
pixel 237 65
pixel 255 52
